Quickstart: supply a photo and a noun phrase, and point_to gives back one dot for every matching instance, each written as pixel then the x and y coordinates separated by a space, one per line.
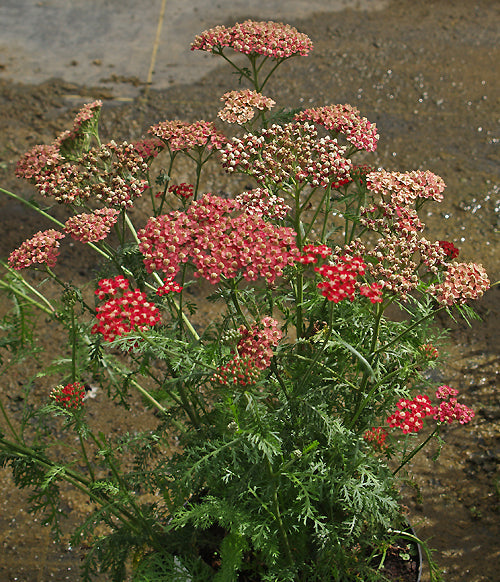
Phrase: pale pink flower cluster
pixel 285 153
pixel 240 105
pixel 405 188
pixel 218 244
pixel 450 410
pixel 38 159
pixel 180 135
pixel 43 247
pixel 270 39
pixel 253 354
pixel 463 281
pixel 344 119
pixel 260 202
pixel 91 227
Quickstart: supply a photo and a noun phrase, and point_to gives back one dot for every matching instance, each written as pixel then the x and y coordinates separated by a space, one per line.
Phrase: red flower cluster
pixel 449 248
pixel 91 227
pixel 376 436
pixel 286 153
pixel 411 413
pixel 43 247
pixel 341 281
pixel 344 119
pixel 70 396
pixel 218 244
pixel 254 353
pixel 120 315
pixel 180 135
pixel 310 254
pixel 271 39
pixel 183 190
pixel 169 286
pixel 429 351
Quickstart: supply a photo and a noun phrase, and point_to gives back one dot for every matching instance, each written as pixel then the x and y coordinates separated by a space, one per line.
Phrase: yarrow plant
pixel 278 429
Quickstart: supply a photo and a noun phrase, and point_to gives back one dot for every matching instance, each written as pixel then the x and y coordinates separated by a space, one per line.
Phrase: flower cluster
pixel 386 218
pixel 182 190
pixel 429 351
pixel 346 120
pixel 70 396
pixel 449 409
pixel 119 315
pixel 169 286
pixel 310 254
pixel 376 436
pixel 91 227
pixel 259 201
pixel 254 353
pixel 180 135
pixel 449 248
pixel 240 106
pixel 218 244
pixel 341 280
pixel 411 413
pixel 288 152
pixel 43 247
pixel 405 188
pixel 270 39
pixel 463 281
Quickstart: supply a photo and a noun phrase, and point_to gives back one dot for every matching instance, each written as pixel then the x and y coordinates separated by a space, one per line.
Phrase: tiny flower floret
pixel 270 39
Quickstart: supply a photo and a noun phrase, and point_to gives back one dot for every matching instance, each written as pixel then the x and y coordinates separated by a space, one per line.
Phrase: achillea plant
pixel 296 409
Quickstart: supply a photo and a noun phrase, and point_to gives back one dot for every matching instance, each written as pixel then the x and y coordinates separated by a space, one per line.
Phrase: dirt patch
pixel 425 72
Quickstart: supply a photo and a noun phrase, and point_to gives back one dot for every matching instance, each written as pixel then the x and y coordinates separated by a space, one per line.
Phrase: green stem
pixel 410 456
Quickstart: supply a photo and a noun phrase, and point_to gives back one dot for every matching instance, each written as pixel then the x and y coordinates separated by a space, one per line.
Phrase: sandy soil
pixel 426 72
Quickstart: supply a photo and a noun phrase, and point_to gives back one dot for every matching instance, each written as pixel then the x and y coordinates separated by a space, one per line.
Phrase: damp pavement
pixel 125 45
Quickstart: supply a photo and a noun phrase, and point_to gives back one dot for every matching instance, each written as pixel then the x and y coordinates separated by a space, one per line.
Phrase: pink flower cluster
pixel 70 141
pixel 254 353
pixel 450 410
pixel 91 227
pixel 405 188
pixel 341 281
pixel 38 159
pixel 429 351
pixel 148 148
pixel 43 247
pixel 386 218
pixel 463 281
pixel 270 39
pixel 218 244
pixel 240 106
pixel 260 202
pixel 122 314
pixel 180 135
pixel 70 396
pixel 344 119
pixel 411 413
pixel 285 153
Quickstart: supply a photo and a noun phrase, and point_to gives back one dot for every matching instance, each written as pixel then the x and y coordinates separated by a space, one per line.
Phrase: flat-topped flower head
pixel 181 135
pixel 288 153
pixel 240 106
pixel 41 248
pixel 37 161
pixel 270 39
pixel 70 396
pixel 404 188
pixel 218 244
pixel 91 227
pixel 463 281
pixel 410 414
pixel 346 120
